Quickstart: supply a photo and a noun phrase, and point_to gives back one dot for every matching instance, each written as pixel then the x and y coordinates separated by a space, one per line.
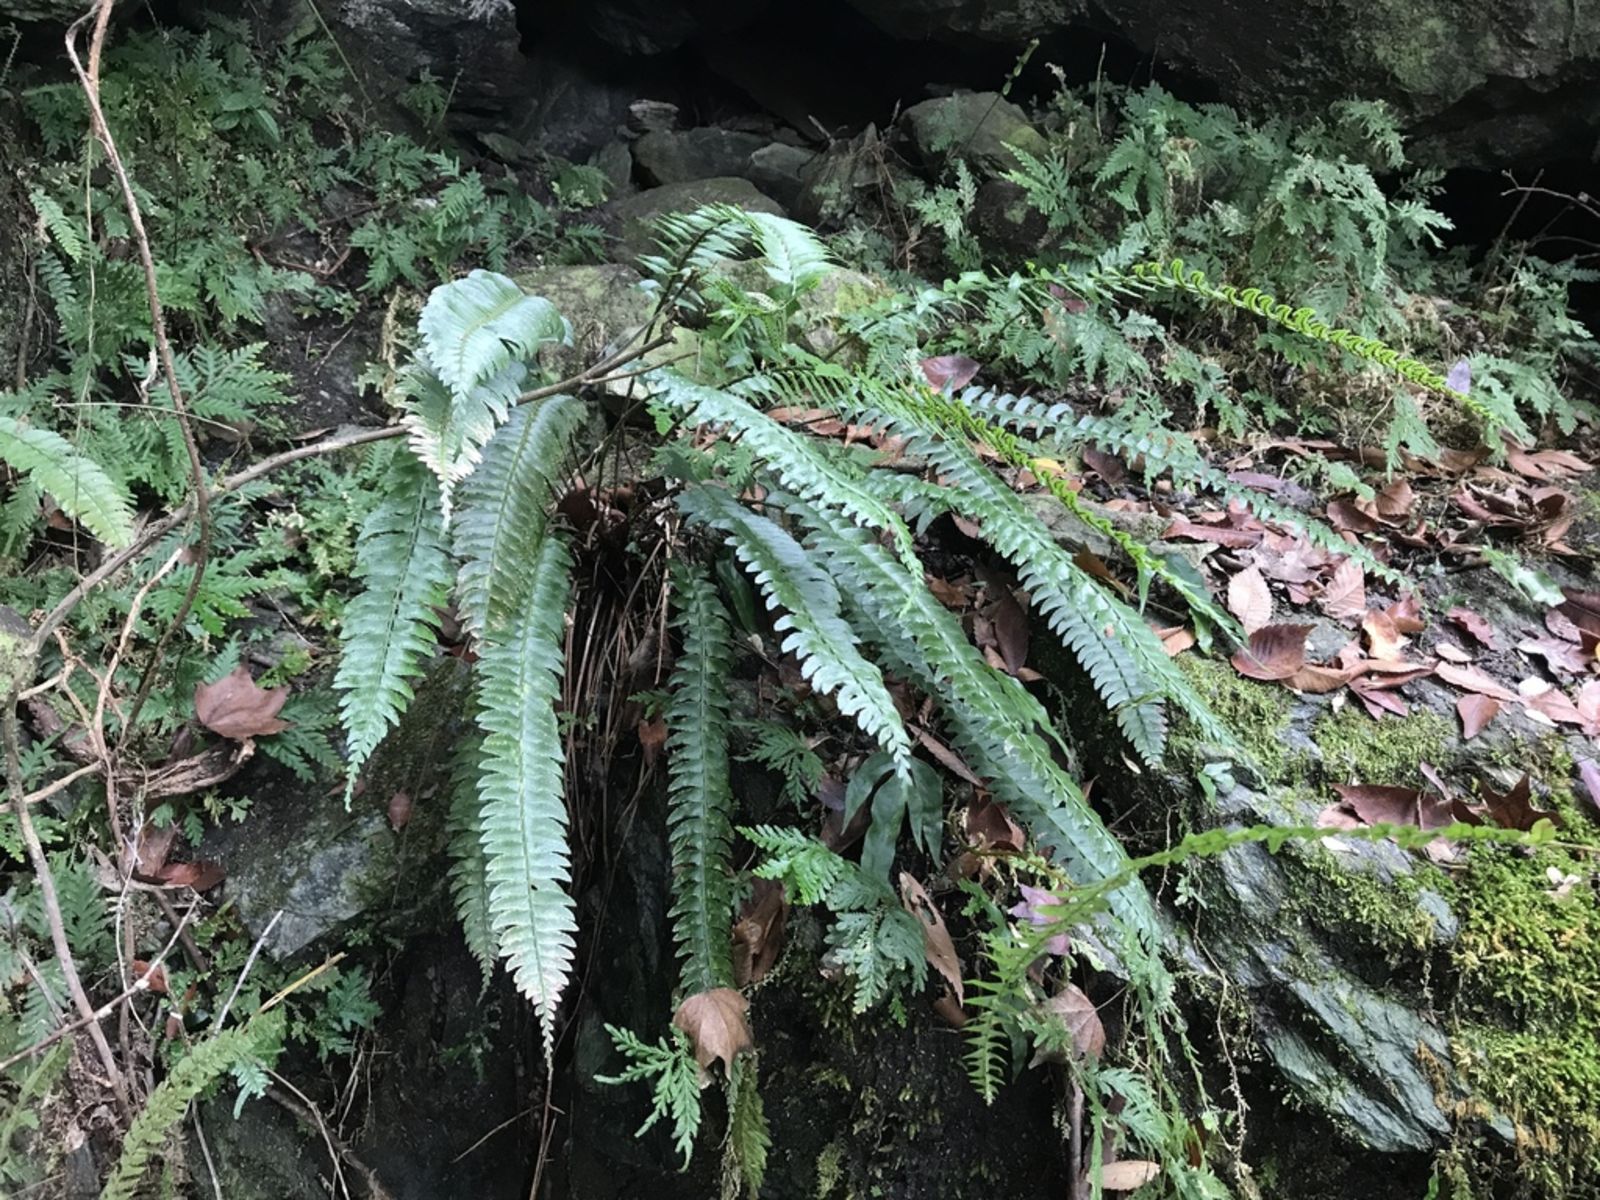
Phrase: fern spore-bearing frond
pixel 699 796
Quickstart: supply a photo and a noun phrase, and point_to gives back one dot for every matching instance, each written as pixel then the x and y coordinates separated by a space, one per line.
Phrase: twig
pixel 90 81
pixel 238 983
pixel 142 984
pixel 66 781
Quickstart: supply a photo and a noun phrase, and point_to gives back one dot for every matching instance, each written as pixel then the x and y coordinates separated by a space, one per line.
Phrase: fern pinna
pixel 824 538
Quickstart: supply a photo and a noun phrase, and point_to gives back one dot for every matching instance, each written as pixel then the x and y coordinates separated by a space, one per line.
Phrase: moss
pixel 830 1170
pixel 1257 714
pixel 1357 749
pixel 1383 913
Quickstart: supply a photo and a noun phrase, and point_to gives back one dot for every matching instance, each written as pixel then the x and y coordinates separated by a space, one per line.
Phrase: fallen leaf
pixel 154 846
pixel 1345 597
pixel 1235 539
pixel 1451 652
pixel 152 978
pixel 1474 625
pixel 1082 1020
pixel 1010 623
pixel 1250 600
pixel 1396 501
pixel 946 372
pixel 758 933
pixel 948 594
pixel 1589 772
pixel 1128 1175
pixel 399 810
pixel 1378 700
pixel 1476 711
pixel 1549 701
pixel 652 737
pixel 1383 638
pixel 1032 909
pixel 1275 652
pixel 1108 466
pixel 1176 641
pixel 716 1025
pixel 988 824
pixel 236 707
pixel 1470 679
pixel 1378 805
pixel 951 1013
pixel 1407 615
pixel 1347 516
pixel 1514 809
pixel 1319 680
pixel 937 945
pixel 201 876
pixel 1562 658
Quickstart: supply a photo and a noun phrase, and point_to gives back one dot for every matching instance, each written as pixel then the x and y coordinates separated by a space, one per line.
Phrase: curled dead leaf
pixel 717 1028
pixel 1082 1020
pixel 1250 600
pixel 938 947
pixel 235 706
pixel 1275 652
pixel 1476 711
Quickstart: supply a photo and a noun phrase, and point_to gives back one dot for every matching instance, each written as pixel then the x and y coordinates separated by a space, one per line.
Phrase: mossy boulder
pixel 633 217
pixel 980 128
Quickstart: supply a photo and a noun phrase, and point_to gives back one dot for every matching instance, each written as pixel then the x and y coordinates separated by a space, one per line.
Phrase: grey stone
pixel 977 127
pixel 986 20
pixel 615 162
pixel 778 169
pixel 634 215
pixel 570 108
pixel 679 156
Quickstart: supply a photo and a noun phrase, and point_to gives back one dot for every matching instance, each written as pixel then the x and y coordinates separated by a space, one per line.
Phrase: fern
pixel 699 242
pixel 389 628
pixel 817 635
pixel 469 881
pixel 524 819
pixel 79 485
pixel 700 800
pixel 675 1082
pixel 805 867
pixel 201 1066
pixel 749 1138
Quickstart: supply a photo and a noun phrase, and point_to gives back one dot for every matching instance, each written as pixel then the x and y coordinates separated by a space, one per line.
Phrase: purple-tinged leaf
pixel 1459 380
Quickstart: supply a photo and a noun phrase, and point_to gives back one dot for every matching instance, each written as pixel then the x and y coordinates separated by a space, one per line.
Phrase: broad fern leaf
pixel 446 432
pixel 390 627
pixel 79 485
pixel 505 512
pixel 818 636
pixel 802 468
pixel 700 800
pixel 469 880
pixel 474 328
pixel 793 255
pixel 523 821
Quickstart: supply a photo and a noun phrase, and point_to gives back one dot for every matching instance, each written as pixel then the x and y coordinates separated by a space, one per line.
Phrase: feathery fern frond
pixel 523 820
pixel 796 461
pixel 469 881
pixel 505 507
pixel 204 1063
pixel 749 1138
pixel 79 484
pixel 699 798
pixel 818 636
pixel 390 627
pixel 794 256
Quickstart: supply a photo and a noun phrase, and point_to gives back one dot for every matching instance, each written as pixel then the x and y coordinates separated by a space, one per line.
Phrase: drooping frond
pixel 79 485
pixel 469 880
pixel 505 507
pixel 795 460
pixel 478 334
pixel 818 636
pixel 523 819
pixel 389 628
pixel 699 798
pixel 204 1063
pixel 793 255
pixel 999 727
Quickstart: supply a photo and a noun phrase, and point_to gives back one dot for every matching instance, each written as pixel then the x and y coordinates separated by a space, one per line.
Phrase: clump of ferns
pixel 827 540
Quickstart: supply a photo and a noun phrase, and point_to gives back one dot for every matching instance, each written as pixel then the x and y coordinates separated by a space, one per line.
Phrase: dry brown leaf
pixel 716 1025
pixel 1275 652
pixel 1407 614
pixel 1128 1175
pixel 758 933
pixel 1234 539
pixel 987 823
pixel 1378 805
pixel 1082 1020
pixel 1249 599
pixel 1480 629
pixel 1514 809
pixel 947 372
pixel 399 810
pixel 1451 652
pixel 1470 679
pixel 1319 680
pixel 1009 621
pixel 652 737
pixel 1476 711
pixel 236 707
pixel 937 945
pixel 1345 597
pixel 1176 641
pixel 1396 501
pixel 201 876
pixel 1563 658
pixel 1384 640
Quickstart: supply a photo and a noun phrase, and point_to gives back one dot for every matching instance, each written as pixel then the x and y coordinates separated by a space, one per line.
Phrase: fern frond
pixel 205 1062
pixel 80 485
pixel 818 637
pixel 390 627
pixel 749 1138
pixel 700 241
pixel 474 328
pixel 505 508
pixel 523 817
pixel 699 798
pixel 797 462
pixel 469 880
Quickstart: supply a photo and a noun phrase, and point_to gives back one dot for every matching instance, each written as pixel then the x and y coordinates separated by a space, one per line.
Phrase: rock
pixel 987 20
pixel 298 852
pixel 977 127
pixel 779 170
pixel 633 215
pixel 665 156
pixel 1006 220
pixel 615 162
pixel 847 179
pixel 606 305
pixel 573 105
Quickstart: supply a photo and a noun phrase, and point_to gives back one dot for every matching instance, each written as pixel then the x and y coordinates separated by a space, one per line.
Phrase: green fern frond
pixel 80 486
pixel 474 328
pixel 524 817
pixel 699 798
pixel 505 507
pixel 797 462
pixel 62 231
pixel 807 868
pixel 204 1063
pixel 390 627
pixel 469 880
pixel 818 636
pixel 702 240
pixel 749 1138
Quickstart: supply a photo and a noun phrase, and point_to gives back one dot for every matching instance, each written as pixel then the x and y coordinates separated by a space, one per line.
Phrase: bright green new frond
pixel 473 328
pixel 80 486
pixel 204 1063
pixel 818 636
pixel 797 462
pixel 523 820
pixel 804 865
pixel 390 627
pixel 505 509
pixel 699 798
pixel 469 880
